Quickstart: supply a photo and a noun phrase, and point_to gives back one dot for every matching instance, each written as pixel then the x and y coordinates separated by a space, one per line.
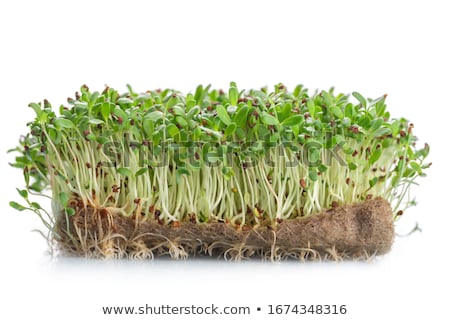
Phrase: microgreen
pixel 237 156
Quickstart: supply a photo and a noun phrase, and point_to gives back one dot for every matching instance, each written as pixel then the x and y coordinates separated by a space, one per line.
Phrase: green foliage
pixel 217 154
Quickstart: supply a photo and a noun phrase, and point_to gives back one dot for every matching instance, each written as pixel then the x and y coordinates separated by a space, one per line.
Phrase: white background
pixel 49 49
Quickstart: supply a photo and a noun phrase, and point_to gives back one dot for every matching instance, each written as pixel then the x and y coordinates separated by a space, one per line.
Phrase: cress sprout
pixel 244 157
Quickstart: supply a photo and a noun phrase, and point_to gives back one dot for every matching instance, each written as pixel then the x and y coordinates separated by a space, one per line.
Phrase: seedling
pixel 238 173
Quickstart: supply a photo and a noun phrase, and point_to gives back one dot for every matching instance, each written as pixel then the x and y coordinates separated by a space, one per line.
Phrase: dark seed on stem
pixel 303 183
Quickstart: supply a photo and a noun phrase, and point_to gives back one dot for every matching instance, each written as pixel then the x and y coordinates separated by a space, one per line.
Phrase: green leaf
pixel 172 102
pixel 395 127
pixel 23 193
pixel 63 199
pixel 373 181
pixel 360 98
pixel 313 175
pixel 96 121
pixel 400 166
pixel 63 123
pixel 124 101
pixel 416 167
pixel 193 112
pixel 311 107
pixel 426 150
pixel 120 113
pixel 70 211
pixel 93 98
pixel 125 172
pixel 376 124
pixel 26 176
pixel 314 156
pixel 36 205
pixel 230 129
pixel 241 116
pixel 327 98
pixel 285 111
pixel 17 206
pixel 91 137
pixel 269 119
pixel 141 172
pixel 352 166
pixel 297 90
pixel 154 116
pixel 349 111
pixel 106 110
pixel 179 111
pixel 102 140
pixel 180 120
pixel 382 132
pixel 293 120
pixel 36 108
pixel 148 126
pixel 173 130
pixel 223 114
pixel 395 180
pixel 337 112
pixel 233 95
pixel 180 172
pixel 376 154
pixel 198 96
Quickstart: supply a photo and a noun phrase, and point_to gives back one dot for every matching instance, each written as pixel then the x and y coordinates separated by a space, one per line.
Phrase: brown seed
pixel 175 224
pixel 303 183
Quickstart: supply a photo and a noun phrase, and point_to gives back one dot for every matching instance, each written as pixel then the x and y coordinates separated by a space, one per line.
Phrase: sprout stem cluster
pixel 243 157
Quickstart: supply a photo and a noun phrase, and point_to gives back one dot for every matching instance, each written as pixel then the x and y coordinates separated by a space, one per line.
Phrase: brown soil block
pixel 354 231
